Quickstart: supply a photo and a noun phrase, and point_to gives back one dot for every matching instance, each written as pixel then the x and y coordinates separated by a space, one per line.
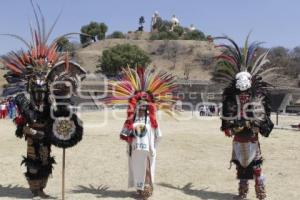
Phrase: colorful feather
pixel 40 54
pixel 140 81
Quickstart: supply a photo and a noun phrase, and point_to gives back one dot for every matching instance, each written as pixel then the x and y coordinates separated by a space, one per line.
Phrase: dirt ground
pixel 193 161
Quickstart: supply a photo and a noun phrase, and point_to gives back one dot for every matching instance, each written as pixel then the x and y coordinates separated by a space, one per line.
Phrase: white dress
pixel 140 151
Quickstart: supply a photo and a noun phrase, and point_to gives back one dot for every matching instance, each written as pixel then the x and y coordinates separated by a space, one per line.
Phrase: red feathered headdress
pixel 142 85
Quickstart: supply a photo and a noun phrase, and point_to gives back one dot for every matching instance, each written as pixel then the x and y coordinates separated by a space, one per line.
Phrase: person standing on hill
pixel 246 111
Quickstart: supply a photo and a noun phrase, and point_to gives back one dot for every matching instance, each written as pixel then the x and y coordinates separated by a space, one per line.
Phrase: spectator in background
pixel 204 110
pixel 6 108
pixel 3 110
pixel 1 107
pixel 212 109
pixel 11 109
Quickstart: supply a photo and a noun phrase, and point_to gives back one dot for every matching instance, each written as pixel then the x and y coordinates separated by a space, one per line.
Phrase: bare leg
pixel 42 194
pixel 148 180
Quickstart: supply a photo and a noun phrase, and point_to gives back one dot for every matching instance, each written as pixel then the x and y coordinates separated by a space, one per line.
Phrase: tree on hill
pixel 63 45
pixel 117 34
pixel 141 23
pixel 158 23
pixel 122 55
pixel 164 35
pixel 164 31
pixel 95 30
pixel 179 30
pixel 287 60
pixel 194 35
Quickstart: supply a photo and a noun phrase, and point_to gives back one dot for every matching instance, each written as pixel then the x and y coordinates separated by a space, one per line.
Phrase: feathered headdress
pixel 142 86
pixel 234 60
pixel 40 56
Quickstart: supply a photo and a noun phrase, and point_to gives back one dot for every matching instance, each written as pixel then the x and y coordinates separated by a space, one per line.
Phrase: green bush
pixel 158 23
pixel 117 34
pixel 95 30
pixel 164 26
pixel 179 30
pixel 194 35
pixel 165 35
pixel 141 23
pixel 64 45
pixel 122 55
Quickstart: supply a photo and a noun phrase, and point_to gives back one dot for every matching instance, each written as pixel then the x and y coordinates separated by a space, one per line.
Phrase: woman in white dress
pixel 142 152
pixel 144 91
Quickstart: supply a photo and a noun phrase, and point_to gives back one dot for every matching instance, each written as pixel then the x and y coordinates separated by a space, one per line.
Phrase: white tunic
pixel 246 152
pixel 2 107
pixel 143 149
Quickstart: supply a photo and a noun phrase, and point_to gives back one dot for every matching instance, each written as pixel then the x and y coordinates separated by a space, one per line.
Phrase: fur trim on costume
pixel 147 192
pixel 35 169
pixel 74 137
pixel 243 189
pixel 246 173
pixel 260 191
pixel 19 131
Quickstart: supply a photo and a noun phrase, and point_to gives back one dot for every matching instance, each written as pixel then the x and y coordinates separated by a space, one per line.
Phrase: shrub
pixel 95 30
pixel 194 35
pixel 117 34
pixel 122 55
pixel 63 45
pixel 165 35
pixel 179 30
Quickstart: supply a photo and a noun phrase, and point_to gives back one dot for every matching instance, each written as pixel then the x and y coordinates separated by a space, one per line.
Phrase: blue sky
pixel 276 22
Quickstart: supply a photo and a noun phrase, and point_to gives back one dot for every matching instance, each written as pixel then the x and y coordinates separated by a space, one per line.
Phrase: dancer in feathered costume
pixel 145 91
pixel 246 109
pixel 32 76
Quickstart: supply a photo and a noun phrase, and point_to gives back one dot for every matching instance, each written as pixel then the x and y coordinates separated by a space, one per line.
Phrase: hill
pixel 185 58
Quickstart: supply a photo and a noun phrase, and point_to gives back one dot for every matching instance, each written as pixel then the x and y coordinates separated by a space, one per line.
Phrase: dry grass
pixel 164 55
pixel 193 161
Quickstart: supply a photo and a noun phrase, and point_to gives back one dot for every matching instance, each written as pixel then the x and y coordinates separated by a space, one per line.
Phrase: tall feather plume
pixel 38 32
pixel 159 84
pixel 235 51
pixel 27 44
pixel 234 60
pixel 40 54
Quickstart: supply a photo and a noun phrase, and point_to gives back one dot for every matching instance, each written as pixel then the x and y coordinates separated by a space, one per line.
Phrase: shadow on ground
pixel 16 191
pixel 203 193
pixel 103 191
